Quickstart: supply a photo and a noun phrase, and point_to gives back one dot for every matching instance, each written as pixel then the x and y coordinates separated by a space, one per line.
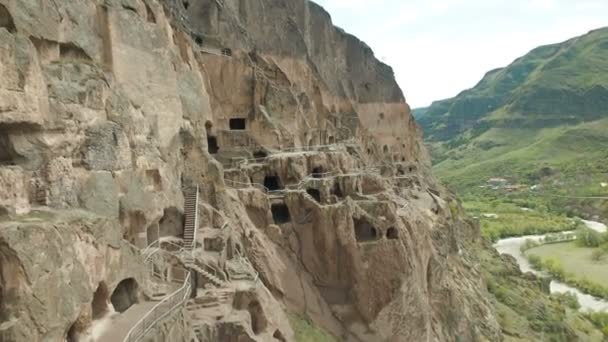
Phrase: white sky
pixel 441 47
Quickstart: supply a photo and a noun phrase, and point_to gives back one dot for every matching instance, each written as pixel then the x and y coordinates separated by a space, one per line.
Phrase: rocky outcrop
pixel 315 191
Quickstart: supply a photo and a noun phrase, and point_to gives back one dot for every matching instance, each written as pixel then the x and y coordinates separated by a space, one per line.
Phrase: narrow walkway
pixel 121 323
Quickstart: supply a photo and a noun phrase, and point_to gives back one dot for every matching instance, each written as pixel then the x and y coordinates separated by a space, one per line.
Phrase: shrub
pixel 568 299
pixel 590 238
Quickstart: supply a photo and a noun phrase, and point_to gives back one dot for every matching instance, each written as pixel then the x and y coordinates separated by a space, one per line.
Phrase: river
pixel 512 246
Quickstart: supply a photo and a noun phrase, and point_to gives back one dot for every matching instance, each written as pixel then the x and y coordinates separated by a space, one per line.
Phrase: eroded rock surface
pixel 315 191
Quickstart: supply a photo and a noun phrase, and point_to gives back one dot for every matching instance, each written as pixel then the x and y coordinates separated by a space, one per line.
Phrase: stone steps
pixel 215 280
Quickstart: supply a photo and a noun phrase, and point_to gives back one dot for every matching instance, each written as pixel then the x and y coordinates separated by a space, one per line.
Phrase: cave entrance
pixel 260 154
pixel 392 233
pixel 317 172
pixel 212 145
pixel 125 295
pixel 258 321
pixel 385 149
pixel 8 156
pixel 238 124
pixel 272 183
pixel 364 231
pixel 227 52
pixel 6 19
pixel 100 301
pixel 280 213
pixel 331 140
pixel 337 191
pixel 314 193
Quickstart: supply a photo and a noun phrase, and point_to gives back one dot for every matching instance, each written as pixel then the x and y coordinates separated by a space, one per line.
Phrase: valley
pixel 526 149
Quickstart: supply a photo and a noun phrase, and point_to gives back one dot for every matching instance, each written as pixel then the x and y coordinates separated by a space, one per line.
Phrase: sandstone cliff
pixel 315 192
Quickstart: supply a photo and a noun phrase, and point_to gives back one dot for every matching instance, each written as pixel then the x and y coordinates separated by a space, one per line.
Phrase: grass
pixel 306 331
pixel 512 220
pixel 576 260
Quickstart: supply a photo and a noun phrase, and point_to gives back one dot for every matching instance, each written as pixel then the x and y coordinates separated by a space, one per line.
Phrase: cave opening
pixel 258 321
pixel 364 231
pixel 337 191
pixel 237 124
pixel 198 40
pixel 100 301
pixel 280 213
pixel 331 140
pixel 272 183
pixel 314 193
pixel 125 295
pixel 259 154
pixel 8 156
pixel 385 149
pixel 278 335
pixel 186 4
pixel 6 19
pixel 212 145
pixel 317 172
pixel 227 52
pixel 392 233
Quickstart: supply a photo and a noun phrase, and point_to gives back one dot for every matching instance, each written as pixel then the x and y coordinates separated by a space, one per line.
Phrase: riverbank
pixel 512 246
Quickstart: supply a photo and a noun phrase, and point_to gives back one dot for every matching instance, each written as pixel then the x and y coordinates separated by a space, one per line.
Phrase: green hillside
pixel 541 121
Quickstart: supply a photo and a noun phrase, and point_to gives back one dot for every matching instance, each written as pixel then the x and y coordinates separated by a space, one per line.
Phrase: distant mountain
pixel 542 118
pixel 557 84
pixel 419 112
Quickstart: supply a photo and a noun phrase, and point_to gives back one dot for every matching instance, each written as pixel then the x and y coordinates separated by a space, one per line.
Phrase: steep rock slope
pixel 315 194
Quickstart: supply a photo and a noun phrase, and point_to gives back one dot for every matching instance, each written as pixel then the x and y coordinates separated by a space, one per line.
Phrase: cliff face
pixel 316 197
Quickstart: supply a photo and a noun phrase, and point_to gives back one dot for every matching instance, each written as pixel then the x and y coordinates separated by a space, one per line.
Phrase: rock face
pixel 315 192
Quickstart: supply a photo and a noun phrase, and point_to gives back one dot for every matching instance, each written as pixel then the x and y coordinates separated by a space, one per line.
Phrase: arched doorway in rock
pixel 258 320
pixel 99 305
pixel 125 295
pixel 392 233
pixel 331 140
pixel 385 149
pixel 364 231
pixel 337 190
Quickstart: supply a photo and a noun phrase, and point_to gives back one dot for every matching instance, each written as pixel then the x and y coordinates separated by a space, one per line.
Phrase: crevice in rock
pixel 150 17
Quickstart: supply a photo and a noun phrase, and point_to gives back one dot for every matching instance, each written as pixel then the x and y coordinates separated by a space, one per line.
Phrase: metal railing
pixel 173 301
pixel 160 311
